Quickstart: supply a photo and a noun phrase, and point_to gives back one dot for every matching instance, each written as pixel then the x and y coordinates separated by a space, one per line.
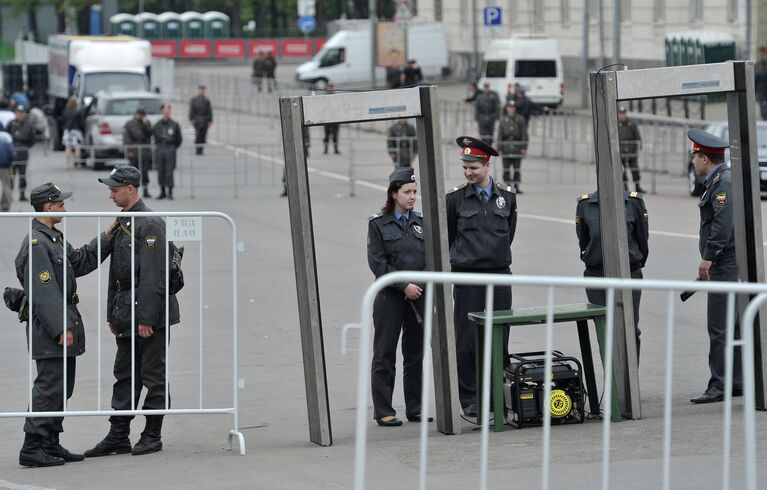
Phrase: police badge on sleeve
pixel 500 202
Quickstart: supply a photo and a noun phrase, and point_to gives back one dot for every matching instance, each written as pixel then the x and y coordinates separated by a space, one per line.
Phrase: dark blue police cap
pixel 123 175
pixel 474 149
pixel 47 192
pixel 706 142
pixel 402 174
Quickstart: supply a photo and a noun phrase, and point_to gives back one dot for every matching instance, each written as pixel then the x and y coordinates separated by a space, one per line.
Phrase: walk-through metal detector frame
pixel 736 80
pixel 298 113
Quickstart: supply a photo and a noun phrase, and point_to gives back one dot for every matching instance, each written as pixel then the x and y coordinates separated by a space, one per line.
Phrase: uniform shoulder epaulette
pixel 636 195
pixel 374 216
pixel 504 187
pixel 582 197
pixel 420 215
pixel 458 187
pixel 34 241
pixel 716 178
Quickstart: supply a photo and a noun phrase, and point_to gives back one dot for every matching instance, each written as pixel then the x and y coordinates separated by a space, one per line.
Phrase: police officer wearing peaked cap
pixel 45 284
pixel 396 243
pixel 481 222
pixel 717 251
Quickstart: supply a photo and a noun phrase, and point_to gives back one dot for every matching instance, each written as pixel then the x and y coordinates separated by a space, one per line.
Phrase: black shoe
pixel 711 395
pixel 52 447
pixel 418 418
pixel 284 193
pixel 161 196
pixel 147 195
pixel 146 445
pixel 337 152
pixel 115 442
pixel 517 190
pixel 33 456
pixel 470 411
pixel 395 422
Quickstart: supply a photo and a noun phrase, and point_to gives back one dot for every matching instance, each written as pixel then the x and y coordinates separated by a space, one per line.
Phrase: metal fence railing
pixel 550 285
pixel 178 229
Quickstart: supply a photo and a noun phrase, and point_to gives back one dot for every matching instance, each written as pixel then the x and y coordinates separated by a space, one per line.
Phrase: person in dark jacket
pixel 396 243
pixel 487 108
pixel 512 142
pixel 402 143
pixel 23 135
pixel 411 75
pixel 138 131
pixel 588 229
pixel 259 70
pixel 331 130
pixel 481 222
pixel 144 239
pixel 73 125
pixel 44 281
pixel 201 118
pixel 717 252
pixel 167 139
pixel 630 143
pixel 270 67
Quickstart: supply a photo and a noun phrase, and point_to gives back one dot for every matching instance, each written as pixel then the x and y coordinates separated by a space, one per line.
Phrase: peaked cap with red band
pixel 704 142
pixel 474 149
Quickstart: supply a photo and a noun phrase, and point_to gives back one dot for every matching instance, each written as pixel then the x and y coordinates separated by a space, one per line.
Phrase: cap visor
pixel 65 195
pixel 471 158
pixel 111 182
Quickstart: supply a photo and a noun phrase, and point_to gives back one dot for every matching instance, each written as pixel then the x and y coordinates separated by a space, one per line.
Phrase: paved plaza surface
pixel 241 175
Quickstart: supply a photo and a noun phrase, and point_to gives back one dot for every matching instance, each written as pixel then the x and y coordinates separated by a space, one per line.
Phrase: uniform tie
pixel 403 219
pixel 483 195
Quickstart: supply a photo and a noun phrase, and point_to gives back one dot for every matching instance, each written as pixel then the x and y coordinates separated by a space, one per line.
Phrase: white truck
pixel 81 66
pixel 345 57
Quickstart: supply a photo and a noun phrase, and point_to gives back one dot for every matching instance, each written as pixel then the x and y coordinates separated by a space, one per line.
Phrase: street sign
pixel 492 16
pixel 306 8
pixel 306 24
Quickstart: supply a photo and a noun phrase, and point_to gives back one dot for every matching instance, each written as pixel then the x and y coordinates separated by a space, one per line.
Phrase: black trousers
pixel 392 314
pixel 149 372
pixel 486 132
pixel 200 136
pixel 331 133
pixel 47 395
pixel 598 297
pixel 142 161
pixel 165 158
pixel 631 163
pixel 21 169
pixel 723 269
pixel 468 299
pixel 508 163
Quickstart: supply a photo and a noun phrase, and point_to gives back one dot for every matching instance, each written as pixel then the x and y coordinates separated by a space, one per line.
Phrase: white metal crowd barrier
pixel 186 226
pixel 430 279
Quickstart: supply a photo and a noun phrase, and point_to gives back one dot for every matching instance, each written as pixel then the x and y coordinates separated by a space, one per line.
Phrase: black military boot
pixel 326 149
pixel 335 148
pixel 150 441
pixel 23 197
pixel 115 442
pixel 170 193
pixel 52 447
pixel 147 195
pixel 162 192
pixel 32 453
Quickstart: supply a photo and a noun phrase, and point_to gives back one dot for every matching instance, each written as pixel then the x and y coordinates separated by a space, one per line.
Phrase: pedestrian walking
pixel 201 118
pixel 402 143
pixel 631 144
pixel 44 279
pixel 481 222
pixel 167 139
pixel 140 248
pixel 396 243
pixel 138 131
pixel 73 126
pixel 487 108
pixel 270 67
pixel 512 142
pixel 717 251
pixel 588 229
pixel 259 70
pixel 331 130
pixel 23 135
pixel 6 173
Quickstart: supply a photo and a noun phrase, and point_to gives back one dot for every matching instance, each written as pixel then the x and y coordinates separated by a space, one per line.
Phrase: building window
pixel 660 10
pixel 625 10
pixel 732 10
pixel 564 8
pixel 696 10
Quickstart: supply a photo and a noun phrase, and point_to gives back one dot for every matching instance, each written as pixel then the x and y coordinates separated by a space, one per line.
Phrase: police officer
pixel 481 221
pixel 717 251
pixel 200 117
pixel 630 143
pixel 396 243
pixel 167 138
pixel 331 130
pixel 138 131
pixel 259 70
pixel 145 242
pixel 512 141
pixel 588 229
pixel 47 334
pixel 487 108
pixel 402 143
pixel 23 134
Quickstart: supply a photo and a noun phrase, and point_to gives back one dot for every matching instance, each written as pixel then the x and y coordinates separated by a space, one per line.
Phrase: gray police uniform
pixel 147 240
pixel 487 108
pixel 588 229
pixel 629 137
pixel 396 245
pixel 167 138
pixel 200 115
pixel 137 132
pixel 480 235
pixel 717 244
pixel 46 316
pixel 512 139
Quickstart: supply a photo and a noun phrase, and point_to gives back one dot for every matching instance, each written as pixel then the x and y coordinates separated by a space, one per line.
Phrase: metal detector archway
pixel 297 113
pixel 736 80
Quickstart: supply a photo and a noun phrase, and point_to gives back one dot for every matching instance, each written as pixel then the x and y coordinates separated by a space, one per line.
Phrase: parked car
pixel 720 129
pixel 105 117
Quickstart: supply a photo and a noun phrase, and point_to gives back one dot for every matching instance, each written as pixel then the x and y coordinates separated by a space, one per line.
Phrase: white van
pixel 532 62
pixel 345 57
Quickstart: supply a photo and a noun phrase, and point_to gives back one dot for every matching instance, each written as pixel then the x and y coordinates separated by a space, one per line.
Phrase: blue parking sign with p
pixel 492 16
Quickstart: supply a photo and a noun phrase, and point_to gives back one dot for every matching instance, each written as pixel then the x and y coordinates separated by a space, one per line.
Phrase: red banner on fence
pixel 195 49
pixel 229 48
pixel 164 49
pixel 296 47
pixel 263 45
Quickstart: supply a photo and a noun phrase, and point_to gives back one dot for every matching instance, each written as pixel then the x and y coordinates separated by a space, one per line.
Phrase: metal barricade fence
pixel 430 279
pixel 185 226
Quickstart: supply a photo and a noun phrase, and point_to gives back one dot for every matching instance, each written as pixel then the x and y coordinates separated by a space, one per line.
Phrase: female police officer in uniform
pixel 395 243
